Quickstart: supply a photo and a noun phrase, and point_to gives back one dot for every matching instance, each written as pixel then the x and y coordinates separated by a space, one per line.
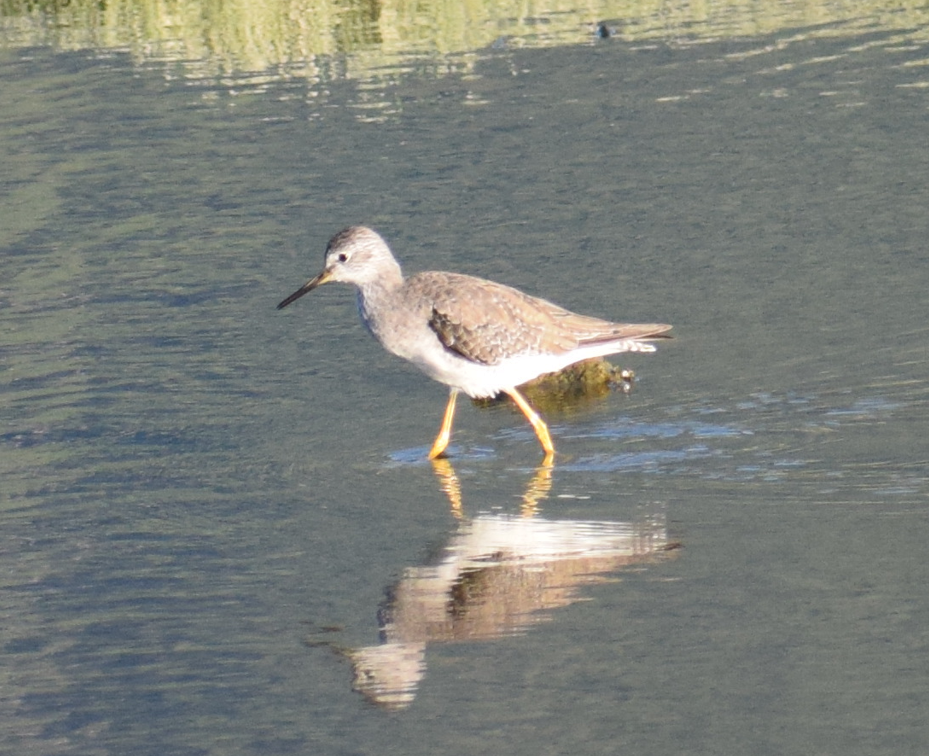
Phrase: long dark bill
pixel 305 289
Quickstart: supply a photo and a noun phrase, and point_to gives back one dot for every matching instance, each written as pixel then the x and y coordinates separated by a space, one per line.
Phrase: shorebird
pixel 471 334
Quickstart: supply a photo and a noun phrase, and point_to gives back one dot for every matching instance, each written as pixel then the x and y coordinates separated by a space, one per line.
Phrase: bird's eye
pixel 342 257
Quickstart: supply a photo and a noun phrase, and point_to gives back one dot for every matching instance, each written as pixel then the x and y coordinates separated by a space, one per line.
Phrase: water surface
pixel 204 500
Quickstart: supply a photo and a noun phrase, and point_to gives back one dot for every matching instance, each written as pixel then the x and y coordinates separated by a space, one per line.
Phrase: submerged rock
pixel 575 385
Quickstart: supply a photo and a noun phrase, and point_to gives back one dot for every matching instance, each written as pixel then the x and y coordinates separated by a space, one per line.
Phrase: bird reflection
pixel 496 576
pixel 536 490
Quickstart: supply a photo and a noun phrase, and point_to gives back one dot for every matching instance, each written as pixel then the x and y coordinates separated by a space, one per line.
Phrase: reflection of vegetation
pixel 358 26
pixel 277 37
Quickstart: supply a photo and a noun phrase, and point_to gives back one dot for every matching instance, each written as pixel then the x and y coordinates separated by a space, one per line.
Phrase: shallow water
pixel 205 500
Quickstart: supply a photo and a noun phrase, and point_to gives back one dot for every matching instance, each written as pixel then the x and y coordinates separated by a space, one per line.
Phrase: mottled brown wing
pixel 487 322
pixel 589 330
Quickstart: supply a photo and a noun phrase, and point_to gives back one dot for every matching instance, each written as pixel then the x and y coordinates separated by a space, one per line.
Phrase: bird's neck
pixel 377 295
pixel 389 279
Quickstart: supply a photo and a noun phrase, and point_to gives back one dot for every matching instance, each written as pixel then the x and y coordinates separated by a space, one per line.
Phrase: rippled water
pixel 208 505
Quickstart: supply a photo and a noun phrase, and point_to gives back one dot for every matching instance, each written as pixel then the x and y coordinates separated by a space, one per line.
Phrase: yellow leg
pixel 445 432
pixel 538 424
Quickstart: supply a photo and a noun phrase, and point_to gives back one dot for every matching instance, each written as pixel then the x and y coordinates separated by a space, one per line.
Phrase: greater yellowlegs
pixel 471 334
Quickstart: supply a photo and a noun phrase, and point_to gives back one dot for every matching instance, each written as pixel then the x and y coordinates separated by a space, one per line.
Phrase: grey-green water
pixel 202 496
